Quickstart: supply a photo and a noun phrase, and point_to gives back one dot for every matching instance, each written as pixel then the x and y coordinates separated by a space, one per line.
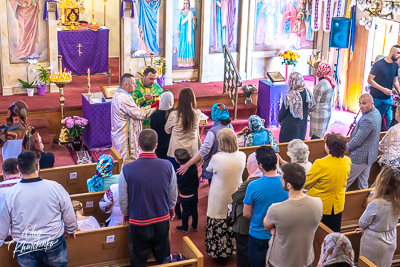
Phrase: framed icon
pixel 275 76
pixel 51 6
pixel 109 90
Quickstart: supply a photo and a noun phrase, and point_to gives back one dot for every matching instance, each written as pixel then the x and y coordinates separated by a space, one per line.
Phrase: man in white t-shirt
pixel 11 175
pixel 294 222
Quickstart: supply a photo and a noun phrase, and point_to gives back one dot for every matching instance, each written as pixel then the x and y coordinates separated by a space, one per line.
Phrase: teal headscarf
pixel 219 112
pixel 256 123
pixel 104 168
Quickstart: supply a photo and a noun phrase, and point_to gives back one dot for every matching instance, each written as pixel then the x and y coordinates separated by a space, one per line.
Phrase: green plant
pixel 162 66
pixel 44 77
pixel 26 84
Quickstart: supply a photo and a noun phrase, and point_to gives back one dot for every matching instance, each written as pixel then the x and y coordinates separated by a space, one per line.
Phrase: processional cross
pixel 79 49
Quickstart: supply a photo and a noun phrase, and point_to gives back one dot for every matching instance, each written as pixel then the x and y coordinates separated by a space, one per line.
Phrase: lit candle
pixel 65 70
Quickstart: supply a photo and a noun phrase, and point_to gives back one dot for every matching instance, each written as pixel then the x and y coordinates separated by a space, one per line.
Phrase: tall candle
pixel 88 73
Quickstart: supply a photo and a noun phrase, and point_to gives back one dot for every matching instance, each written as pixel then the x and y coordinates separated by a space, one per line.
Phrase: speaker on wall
pixel 340 33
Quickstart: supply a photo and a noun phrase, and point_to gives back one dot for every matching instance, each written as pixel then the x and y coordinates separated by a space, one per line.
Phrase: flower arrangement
pixel 43 74
pixel 248 90
pixel 160 66
pixel 76 125
pixel 289 57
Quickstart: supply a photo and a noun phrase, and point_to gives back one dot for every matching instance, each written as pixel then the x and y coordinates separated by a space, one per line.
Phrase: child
pixel 188 184
pixel 84 222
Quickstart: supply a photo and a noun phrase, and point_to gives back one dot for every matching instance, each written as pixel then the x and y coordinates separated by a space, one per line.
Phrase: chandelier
pixel 385 9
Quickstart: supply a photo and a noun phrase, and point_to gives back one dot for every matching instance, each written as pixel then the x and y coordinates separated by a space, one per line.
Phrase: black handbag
pixel 231 214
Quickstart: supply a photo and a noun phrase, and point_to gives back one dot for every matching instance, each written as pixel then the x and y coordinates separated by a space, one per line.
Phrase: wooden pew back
pixel 364 262
pixel 91 207
pixel 354 206
pixel 74 177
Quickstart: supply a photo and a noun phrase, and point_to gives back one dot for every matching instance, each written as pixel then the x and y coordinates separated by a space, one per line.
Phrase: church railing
pixel 232 80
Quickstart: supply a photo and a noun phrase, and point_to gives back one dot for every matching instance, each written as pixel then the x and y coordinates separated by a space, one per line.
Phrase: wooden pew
pixel 355 239
pixel 317 151
pixel 354 206
pixel 105 247
pixel 364 262
pixel 319 237
pixel 91 207
pixel 74 177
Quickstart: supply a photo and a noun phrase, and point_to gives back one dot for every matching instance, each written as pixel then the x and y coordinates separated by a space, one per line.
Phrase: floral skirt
pixel 220 239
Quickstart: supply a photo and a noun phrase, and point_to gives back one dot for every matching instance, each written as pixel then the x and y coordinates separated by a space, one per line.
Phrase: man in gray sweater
pixel 39 213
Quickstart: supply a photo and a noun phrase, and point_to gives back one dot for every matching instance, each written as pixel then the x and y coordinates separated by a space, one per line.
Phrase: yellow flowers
pixel 289 57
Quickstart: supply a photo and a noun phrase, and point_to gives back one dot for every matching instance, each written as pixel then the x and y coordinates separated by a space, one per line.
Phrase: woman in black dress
pixel 294 110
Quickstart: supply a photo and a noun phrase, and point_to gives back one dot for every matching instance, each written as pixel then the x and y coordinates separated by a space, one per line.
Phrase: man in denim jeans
pixel 39 213
pixel 382 78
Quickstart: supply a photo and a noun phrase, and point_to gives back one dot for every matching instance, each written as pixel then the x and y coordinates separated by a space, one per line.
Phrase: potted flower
pixel 248 90
pixel 76 126
pixel 289 58
pixel 43 77
pixel 161 68
pixel 30 87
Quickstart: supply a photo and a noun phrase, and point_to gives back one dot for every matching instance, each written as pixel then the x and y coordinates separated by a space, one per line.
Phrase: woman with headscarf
pixel 257 135
pixel 104 177
pixel 336 250
pixel 159 119
pixel 220 116
pixel 17 135
pixel 294 110
pixel 241 226
pixel 320 114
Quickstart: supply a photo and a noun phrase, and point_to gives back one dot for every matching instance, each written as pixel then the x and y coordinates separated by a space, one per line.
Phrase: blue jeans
pixel 384 107
pixel 257 251
pixel 54 256
pixel 189 207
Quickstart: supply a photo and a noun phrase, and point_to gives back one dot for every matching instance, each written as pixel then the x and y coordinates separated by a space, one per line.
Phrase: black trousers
pixel 155 236
pixel 333 221
pixel 242 250
pixel 189 207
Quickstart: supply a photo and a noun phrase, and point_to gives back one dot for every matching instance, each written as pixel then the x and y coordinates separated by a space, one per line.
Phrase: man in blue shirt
pixel 382 78
pixel 260 195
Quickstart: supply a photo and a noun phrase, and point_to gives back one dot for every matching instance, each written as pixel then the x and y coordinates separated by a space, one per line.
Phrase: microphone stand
pixel 353 124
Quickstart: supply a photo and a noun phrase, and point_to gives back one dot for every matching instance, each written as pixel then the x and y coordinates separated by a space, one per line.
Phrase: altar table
pixel 98 132
pixel 81 50
pixel 270 98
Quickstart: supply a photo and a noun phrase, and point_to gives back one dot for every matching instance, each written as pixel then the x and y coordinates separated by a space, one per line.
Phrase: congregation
pixel 270 219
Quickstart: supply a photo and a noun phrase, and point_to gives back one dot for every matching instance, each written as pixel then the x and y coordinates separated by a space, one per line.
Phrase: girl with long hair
pixel 379 220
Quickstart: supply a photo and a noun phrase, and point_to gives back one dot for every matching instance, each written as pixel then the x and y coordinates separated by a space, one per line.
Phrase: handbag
pixel 231 214
pixel 174 257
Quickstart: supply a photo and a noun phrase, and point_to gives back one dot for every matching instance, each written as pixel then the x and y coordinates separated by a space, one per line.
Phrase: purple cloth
pixel 269 98
pixel 98 133
pixel 94 51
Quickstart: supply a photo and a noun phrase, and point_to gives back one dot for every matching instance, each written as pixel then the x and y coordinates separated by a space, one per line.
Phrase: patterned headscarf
pixel 293 99
pixel 219 112
pixel 18 109
pixel 324 71
pixel 166 101
pixel 336 248
pixel 256 123
pixel 104 168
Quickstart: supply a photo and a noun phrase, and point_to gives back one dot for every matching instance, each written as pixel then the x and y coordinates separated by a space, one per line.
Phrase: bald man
pixel 364 142
pixel 382 78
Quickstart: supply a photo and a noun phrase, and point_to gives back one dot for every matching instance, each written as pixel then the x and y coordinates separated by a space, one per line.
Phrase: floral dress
pixel 259 136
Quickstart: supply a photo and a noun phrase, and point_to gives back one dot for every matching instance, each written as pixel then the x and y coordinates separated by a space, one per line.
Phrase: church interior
pixel 65 58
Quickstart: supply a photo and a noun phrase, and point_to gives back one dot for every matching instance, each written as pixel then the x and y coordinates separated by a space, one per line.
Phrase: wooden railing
pixel 232 80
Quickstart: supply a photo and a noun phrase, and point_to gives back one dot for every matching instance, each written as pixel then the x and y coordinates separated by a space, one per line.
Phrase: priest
pixel 146 91
pixel 126 119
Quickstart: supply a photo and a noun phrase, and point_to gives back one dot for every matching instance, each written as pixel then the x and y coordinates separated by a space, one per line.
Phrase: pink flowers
pixel 76 125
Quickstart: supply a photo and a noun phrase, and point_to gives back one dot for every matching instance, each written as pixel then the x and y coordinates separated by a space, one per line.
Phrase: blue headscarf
pixel 219 112
pixel 104 168
pixel 256 123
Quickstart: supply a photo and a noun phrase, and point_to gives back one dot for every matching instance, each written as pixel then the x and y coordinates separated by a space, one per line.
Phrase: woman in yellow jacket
pixel 327 179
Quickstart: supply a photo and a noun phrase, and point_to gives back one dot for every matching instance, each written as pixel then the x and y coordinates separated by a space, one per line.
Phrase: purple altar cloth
pixel 98 133
pixel 270 98
pixel 94 50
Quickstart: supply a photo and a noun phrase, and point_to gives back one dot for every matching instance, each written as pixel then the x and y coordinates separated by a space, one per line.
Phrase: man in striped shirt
pixel 11 175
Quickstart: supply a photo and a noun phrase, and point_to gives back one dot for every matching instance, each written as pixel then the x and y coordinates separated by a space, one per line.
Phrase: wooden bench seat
pixel 91 207
pixel 105 247
pixel 364 262
pixel 74 177
pixel 354 206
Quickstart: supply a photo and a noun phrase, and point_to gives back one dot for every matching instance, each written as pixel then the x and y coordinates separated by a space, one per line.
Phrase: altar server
pixel 126 119
pixel 146 90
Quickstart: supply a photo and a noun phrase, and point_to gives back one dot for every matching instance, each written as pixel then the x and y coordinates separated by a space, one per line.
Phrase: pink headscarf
pixel 324 71
pixel 252 166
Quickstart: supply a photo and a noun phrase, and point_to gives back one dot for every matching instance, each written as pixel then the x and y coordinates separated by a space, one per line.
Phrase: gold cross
pixel 79 50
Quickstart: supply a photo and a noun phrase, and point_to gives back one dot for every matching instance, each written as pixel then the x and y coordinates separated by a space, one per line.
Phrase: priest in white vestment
pixel 126 119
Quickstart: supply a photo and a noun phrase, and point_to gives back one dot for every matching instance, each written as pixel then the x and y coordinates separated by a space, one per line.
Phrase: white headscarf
pixel 252 166
pixel 167 101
